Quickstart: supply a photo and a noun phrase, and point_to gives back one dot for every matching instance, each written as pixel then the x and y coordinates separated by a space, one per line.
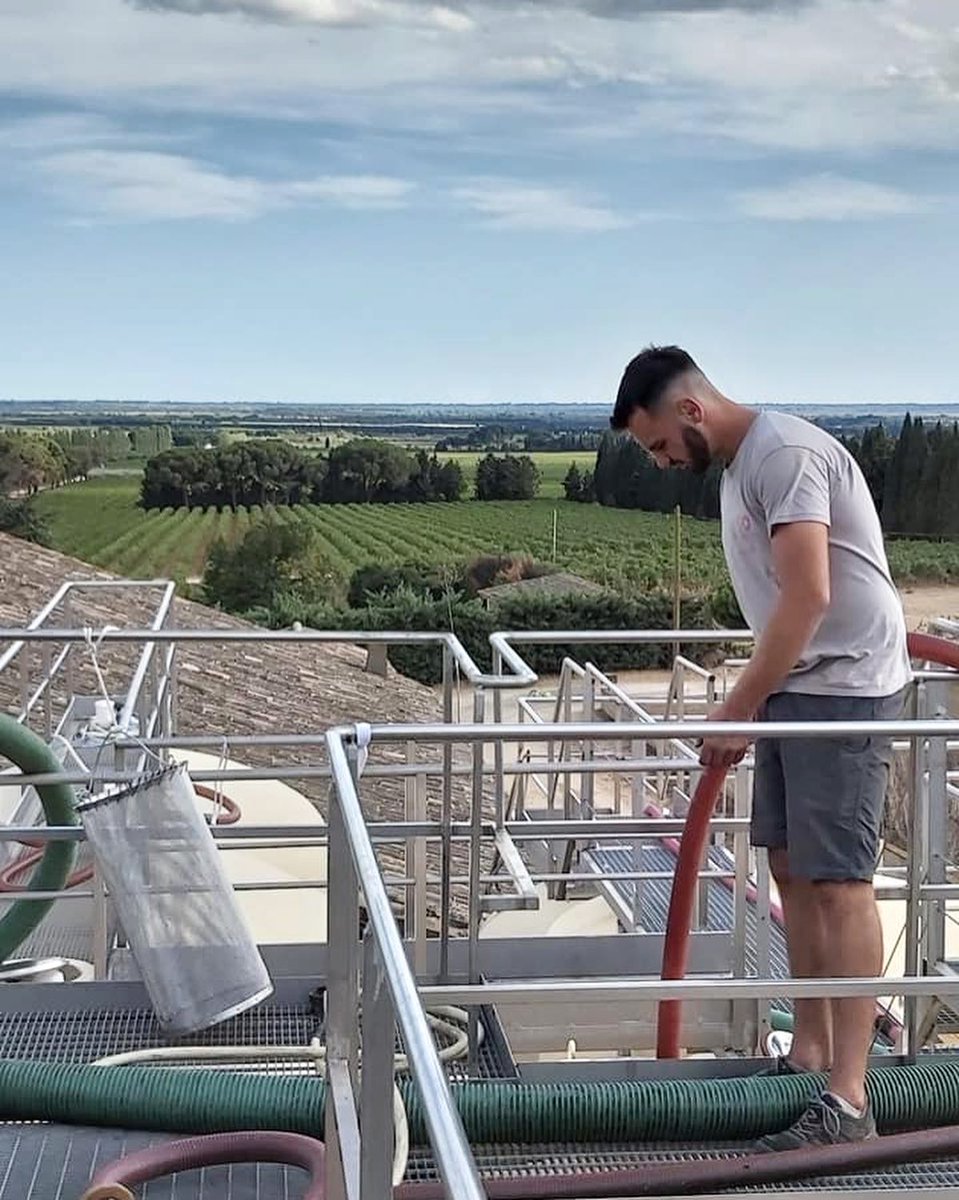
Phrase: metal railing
pixel 373 989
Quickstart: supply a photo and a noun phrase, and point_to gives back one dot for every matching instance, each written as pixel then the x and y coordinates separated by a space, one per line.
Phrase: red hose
pixel 746 1170
pixel 692 848
pixel 654 1179
pixel 11 874
pixel 190 1154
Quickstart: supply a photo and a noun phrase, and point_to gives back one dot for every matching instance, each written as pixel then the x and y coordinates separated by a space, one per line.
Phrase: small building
pixel 562 583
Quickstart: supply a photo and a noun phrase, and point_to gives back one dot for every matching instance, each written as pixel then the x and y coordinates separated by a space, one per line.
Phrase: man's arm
pixel 800 552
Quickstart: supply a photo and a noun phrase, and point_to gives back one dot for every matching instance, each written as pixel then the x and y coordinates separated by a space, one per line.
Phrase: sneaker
pixel 824 1123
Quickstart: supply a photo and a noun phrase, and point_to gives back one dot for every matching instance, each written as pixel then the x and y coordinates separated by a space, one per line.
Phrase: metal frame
pixel 376 979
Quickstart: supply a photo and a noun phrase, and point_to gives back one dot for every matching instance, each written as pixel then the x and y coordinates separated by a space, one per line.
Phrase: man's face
pixel 670 438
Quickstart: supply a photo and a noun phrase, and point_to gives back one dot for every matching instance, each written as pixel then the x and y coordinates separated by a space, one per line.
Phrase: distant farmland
pixel 100 522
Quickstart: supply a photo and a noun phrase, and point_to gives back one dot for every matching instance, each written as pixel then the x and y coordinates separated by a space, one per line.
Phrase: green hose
pixel 700 1110
pixel 25 750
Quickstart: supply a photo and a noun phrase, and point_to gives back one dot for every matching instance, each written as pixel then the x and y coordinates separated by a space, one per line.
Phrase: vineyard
pixel 100 523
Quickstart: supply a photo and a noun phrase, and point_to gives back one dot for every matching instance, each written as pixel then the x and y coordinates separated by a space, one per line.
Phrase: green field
pixel 552 466
pixel 99 522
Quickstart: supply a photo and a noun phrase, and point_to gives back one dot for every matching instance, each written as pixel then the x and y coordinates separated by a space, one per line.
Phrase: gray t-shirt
pixel 785 470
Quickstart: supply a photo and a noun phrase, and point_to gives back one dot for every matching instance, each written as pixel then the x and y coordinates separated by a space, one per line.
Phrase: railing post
pixel 499 784
pixel 100 931
pixel 415 894
pixel 741 1012
pixel 763 966
pixel 376 1072
pixel 586 791
pixel 937 831
pixel 68 624
pixel 476 832
pixel 344 1150
pixel 46 660
pixel 446 842
pixel 917 866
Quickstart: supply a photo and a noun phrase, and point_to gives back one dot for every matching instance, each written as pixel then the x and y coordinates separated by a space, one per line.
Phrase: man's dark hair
pixel 646 378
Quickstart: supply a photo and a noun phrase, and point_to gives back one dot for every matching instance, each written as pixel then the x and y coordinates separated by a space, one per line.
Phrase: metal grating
pixel 497 1162
pixel 54 937
pixel 654 897
pixel 720 907
pixel 85 1035
pixel 57 1162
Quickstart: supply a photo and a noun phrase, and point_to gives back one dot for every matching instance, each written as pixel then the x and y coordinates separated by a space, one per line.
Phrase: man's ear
pixel 691 410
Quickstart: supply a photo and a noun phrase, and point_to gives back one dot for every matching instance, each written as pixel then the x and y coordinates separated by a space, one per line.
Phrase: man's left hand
pixel 725 751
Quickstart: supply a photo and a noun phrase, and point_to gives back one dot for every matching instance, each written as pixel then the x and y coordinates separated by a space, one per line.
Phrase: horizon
pixel 478 199
pixel 414 406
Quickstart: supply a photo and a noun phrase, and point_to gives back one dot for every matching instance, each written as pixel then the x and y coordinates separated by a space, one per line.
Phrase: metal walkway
pixel 654 897
pixel 56 1162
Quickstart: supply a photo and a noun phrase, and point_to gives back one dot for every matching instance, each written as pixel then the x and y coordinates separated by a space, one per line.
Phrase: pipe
pixel 696 1110
pixel 114 1181
pixel 653 1179
pixel 692 847
pixel 26 751
pixel 742 1170
pixel 229 814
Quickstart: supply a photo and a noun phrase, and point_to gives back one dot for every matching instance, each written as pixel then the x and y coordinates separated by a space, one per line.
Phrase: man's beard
pixel 700 459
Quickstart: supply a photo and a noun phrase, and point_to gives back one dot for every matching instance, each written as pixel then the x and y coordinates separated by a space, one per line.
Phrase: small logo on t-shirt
pixel 745 523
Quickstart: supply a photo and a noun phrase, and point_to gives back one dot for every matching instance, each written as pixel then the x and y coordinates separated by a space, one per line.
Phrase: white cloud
pixel 533 78
pixel 353 191
pixel 362 12
pixel 144 185
pixel 508 205
pixel 333 13
pixel 57 130
pixel 829 198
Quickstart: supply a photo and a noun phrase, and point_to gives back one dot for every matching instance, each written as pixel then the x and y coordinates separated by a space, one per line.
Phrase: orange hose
pixel 692 848
pixel 12 873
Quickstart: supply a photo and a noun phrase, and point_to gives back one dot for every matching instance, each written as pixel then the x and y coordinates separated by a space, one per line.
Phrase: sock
pixel 849 1109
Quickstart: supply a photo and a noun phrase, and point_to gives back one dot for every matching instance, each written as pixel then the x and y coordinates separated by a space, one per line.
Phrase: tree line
pixel 626 477
pixel 275 472
pixel 360 471
pixel 913 478
pixel 31 460
pixel 511 477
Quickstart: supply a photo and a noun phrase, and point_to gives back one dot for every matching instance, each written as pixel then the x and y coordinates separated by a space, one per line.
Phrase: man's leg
pixel 835 791
pixel 853 948
pixel 807 943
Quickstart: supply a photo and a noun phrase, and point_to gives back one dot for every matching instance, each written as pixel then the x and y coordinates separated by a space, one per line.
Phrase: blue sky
pixel 426 200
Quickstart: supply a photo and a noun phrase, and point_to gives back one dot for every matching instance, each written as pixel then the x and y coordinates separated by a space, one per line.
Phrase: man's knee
pixel 838 896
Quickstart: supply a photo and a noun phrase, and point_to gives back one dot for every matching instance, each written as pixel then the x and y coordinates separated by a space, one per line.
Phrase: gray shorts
pixel 822 799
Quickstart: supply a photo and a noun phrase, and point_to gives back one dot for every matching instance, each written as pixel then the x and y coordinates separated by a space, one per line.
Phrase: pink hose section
pixel 292 1149
pixel 13 872
pixel 692 849
pixel 654 1179
pixel 747 1170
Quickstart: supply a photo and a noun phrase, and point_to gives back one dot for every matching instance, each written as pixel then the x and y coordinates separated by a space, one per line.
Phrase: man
pixel 808 565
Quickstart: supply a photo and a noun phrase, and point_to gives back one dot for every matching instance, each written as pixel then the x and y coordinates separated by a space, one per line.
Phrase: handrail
pixel 22 635
pixel 522 675
pixel 146 657
pixel 448 1138
pixel 665 731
